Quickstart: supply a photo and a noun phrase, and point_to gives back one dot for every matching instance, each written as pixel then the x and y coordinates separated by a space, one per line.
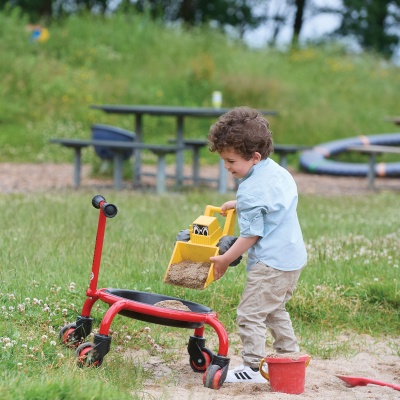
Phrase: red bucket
pixel 286 375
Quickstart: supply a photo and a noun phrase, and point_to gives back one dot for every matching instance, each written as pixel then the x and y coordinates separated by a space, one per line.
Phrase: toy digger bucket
pixel 205 232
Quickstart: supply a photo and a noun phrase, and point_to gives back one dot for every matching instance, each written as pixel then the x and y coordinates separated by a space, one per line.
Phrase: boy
pixel 266 202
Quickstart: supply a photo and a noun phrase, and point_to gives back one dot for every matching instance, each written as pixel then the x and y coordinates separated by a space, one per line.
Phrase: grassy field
pixel 349 286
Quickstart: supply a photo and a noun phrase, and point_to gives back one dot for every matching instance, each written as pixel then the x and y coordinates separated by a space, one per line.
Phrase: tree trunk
pixel 298 21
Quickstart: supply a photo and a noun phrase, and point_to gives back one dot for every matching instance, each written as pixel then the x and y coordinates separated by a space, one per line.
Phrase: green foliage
pixel 59 388
pixel 371 24
pixel 321 93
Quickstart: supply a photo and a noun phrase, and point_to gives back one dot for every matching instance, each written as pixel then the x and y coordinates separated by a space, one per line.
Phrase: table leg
pixel 118 164
pixel 371 170
pixel 137 169
pixel 283 161
pixel 179 153
pixel 161 168
pixel 77 166
pixel 196 165
pixel 222 186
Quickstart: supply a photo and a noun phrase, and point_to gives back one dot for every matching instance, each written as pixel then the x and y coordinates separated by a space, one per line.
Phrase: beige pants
pixel 263 306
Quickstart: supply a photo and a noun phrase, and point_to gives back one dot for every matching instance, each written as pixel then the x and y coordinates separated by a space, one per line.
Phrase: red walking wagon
pixel 141 306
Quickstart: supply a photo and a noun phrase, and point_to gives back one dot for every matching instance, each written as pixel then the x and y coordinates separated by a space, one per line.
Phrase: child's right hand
pixel 227 206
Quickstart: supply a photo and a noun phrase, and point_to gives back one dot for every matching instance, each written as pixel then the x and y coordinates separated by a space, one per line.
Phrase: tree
pixel 238 14
pixel 47 9
pixel 298 20
pixel 374 24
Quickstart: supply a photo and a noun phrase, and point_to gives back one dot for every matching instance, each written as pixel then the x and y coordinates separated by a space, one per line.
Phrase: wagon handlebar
pixel 109 210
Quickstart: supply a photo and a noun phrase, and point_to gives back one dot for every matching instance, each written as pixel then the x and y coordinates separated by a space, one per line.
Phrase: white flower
pixel 11 296
pixel 158 348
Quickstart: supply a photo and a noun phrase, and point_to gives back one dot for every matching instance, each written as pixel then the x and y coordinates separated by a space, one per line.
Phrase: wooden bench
pixel 372 151
pixel 119 148
pixel 284 149
pixel 195 145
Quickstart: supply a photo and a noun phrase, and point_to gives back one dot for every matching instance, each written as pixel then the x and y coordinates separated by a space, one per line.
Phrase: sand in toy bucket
pixel 286 372
pixel 188 274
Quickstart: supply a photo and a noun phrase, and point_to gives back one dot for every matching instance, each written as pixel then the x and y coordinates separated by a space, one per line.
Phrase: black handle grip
pixel 109 210
pixel 97 200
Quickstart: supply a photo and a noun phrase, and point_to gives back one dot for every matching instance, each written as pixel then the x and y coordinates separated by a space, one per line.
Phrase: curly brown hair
pixel 244 130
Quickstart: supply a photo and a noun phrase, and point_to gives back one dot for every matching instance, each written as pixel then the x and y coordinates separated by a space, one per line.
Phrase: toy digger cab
pixel 190 264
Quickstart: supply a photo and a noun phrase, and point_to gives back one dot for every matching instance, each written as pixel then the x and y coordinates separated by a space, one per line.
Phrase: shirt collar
pixel 254 168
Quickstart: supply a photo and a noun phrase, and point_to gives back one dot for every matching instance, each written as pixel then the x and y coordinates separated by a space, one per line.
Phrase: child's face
pixel 236 164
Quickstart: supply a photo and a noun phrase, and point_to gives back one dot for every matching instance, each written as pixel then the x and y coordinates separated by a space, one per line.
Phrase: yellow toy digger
pixel 194 246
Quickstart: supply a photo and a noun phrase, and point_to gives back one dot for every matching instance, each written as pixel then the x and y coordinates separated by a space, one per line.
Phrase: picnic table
pixel 180 113
pixel 119 148
pixel 373 151
pixel 395 120
pixel 284 149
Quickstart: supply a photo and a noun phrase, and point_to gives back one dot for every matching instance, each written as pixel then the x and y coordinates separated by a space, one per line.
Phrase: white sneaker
pixel 242 373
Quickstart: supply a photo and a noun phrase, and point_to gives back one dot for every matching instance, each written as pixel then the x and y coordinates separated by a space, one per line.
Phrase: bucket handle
pixel 266 375
pixel 262 372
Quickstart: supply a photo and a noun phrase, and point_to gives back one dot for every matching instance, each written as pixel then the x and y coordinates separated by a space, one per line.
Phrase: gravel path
pixel 23 178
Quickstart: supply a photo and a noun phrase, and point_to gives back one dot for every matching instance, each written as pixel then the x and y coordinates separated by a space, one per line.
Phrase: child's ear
pixel 256 157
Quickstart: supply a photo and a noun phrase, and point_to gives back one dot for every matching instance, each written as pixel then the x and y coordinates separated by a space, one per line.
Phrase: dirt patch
pixel 173 305
pixel 175 380
pixel 188 274
pixel 25 178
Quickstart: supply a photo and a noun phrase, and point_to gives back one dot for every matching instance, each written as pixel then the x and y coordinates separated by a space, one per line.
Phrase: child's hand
pixel 220 266
pixel 227 206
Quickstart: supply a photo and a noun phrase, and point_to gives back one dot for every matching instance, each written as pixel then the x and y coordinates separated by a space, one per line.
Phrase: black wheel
pixel 67 337
pixel 212 377
pixel 183 236
pixel 84 353
pixel 224 244
pixel 197 365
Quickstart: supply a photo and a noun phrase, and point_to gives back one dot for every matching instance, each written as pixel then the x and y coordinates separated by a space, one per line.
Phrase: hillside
pixel 321 93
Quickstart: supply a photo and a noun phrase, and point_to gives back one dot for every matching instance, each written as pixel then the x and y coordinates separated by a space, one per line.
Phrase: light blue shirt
pixel 266 207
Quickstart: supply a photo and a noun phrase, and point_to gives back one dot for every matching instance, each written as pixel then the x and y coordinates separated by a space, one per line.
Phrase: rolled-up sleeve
pixel 251 222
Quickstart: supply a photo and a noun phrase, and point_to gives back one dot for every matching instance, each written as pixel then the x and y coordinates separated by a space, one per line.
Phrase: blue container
pixel 108 132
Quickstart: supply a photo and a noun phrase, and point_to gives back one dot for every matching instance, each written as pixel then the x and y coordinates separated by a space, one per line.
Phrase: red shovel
pixel 358 381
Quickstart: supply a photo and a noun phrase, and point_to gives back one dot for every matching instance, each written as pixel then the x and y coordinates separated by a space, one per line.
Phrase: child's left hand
pixel 220 266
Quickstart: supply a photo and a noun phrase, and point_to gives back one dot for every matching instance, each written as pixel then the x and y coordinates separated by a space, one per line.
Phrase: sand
pixel 188 274
pixel 175 380
pixel 173 305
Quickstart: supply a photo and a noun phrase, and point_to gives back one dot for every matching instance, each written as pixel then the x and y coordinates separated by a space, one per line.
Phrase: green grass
pixel 349 287
pixel 321 93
